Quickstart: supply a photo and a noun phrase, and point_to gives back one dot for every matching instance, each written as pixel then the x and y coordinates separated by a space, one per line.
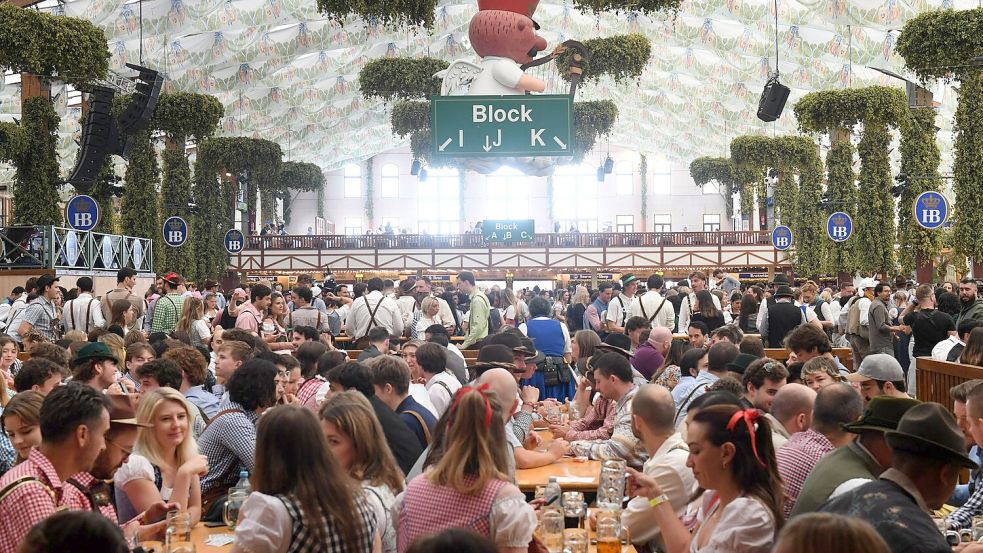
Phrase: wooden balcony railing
pixel 555 240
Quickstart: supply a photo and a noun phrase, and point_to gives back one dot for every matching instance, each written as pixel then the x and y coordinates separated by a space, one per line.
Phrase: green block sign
pixel 497 126
pixel 509 231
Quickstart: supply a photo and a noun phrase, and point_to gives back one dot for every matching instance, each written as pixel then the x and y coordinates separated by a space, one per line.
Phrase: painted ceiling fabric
pixel 287 74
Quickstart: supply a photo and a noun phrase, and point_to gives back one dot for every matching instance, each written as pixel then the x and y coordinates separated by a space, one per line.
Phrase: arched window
pixel 389 186
pixel 661 177
pixel 507 194
pixel 625 177
pixel 353 181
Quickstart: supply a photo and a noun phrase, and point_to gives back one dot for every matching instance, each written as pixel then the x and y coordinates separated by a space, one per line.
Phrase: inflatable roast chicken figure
pixel 504 35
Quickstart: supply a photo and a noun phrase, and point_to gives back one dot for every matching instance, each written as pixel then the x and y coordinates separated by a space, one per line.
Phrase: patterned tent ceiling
pixel 286 73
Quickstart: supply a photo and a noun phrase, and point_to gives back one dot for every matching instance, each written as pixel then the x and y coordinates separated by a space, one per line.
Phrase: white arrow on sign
pixel 489 144
pixel 446 143
pixel 559 143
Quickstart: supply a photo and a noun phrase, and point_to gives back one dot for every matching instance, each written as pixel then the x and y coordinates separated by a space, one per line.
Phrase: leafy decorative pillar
pixel 176 194
pixel 141 202
pixel 36 200
pixel 920 164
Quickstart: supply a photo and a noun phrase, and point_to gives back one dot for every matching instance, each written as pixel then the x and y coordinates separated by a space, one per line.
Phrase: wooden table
pixel 528 479
pixel 201 533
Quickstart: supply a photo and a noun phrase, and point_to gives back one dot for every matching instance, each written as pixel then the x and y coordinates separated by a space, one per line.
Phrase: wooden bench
pixel 934 379
pixel 845 355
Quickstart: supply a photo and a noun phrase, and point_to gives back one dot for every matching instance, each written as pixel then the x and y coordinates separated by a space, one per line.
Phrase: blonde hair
pixel 117 345
pixel 809 286
pixel 75 336
pixel 581 295
pixel 192 310
pixel 822 364
pixel 147 444
pixel 427 303
pixel 473 451
pixel 373 460
pixel 825 532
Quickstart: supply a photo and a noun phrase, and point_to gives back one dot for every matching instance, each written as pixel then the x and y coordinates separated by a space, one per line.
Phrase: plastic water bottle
pixel 243 484
pixel 552 494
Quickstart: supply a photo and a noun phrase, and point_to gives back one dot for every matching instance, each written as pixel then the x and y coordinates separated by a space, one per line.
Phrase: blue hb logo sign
pixel 234 241
pixel 175 231
pixel 781 238
pixel 931 210
pixel 839 226
pixel 82 213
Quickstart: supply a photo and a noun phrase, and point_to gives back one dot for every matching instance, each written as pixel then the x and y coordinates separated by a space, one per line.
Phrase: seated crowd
pixel 124 410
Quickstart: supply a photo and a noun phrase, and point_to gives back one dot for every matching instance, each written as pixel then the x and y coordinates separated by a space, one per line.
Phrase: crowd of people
pixel 118 407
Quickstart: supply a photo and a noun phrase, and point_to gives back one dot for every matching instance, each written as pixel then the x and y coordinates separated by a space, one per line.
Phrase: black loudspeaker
pixel 141 108
pixel 772 100
pixel 100 137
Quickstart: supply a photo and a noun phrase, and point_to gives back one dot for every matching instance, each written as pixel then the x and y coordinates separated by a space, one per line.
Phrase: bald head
pixel 653 404
pixel 836 404
pixel 792 402
pixel 502 383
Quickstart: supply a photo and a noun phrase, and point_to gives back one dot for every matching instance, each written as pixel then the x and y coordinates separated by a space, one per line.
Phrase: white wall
pixel 486 197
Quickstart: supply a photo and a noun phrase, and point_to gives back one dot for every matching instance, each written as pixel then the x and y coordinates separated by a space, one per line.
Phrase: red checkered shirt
pixel 796 459
pixel 597 424
pixel 428 508
pixel 77 500
pixel 29 503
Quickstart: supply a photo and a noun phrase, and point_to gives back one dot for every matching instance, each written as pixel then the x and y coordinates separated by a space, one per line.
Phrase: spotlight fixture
pixel 415 167
pixel 423 175
pixel 608 165
pixel 600 174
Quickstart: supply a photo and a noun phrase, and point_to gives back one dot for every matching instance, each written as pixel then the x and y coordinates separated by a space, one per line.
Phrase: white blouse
pixel 383 499
pixel 745 526
pixel 512 520
pixel 139 468
pixel 265 525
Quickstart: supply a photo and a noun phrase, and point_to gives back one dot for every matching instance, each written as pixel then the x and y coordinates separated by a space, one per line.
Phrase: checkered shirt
pixel 8 456
pixel 304 540
pixel 167 311
pixel 29 503
pixel 597 423
pixel 229 442
pixel 963 517
pixel 76 500
pixel 796 459
pixel 428 508
pixel 623 444
pixel 41 315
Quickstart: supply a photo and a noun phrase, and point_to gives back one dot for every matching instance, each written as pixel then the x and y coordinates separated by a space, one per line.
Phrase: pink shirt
pixel 249 318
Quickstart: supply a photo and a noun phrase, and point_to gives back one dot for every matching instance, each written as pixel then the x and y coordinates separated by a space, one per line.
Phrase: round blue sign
pixel 82 213
pixel 234 241
pixel 839 226
pixel 781 238
pixel 175 231
pixel 931 210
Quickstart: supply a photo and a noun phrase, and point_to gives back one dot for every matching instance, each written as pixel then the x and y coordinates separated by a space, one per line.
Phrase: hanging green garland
pixel 940 44
pixel 392 13
pixel 920 158
pixel 715 169
pixel 176 192
pixel 842 189
pixel 181 115
pixel 646 7
pixel 409 117
pixel 37 42
pixel 874 226
pixel 809 223
pixel 621 57
pixel 967 168
pixel 401 78
pixel 13 141
pixel 141 201
pixel 208 228
pixel 36 199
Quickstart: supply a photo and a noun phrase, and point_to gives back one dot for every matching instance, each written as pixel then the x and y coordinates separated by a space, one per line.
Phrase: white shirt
pixel 407 306
pixel 618 314
pixel 668 467
pixel 75 311
pixel 439 395
pixel 422 396
pixel 499 76
pixel 941 350
pixel 650 301
pixel 387 315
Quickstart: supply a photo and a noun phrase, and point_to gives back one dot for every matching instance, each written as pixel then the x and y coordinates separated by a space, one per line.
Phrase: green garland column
pixel 920 162
pixel 842 188
pixel 102 192
pixel 967 169
pixel 643 168
pixel 369 192
pixel 209 226
pixel 874 225
pixel 176 191
pixel 809 222
pixel 141 202
pixel 36 200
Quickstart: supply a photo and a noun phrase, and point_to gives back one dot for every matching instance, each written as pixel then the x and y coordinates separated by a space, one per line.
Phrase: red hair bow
pixel 481 390
pixel 750 417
